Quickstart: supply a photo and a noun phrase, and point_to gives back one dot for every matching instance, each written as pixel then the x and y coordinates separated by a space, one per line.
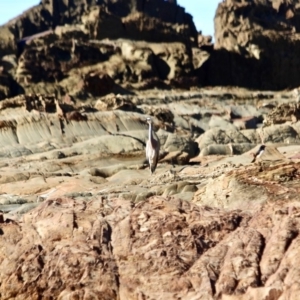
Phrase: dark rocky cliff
pixel 58 44
pixel 51 13
pixel 256 45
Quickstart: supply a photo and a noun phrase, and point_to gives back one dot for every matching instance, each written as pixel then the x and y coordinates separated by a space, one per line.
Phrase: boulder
pixel 246 186
pixel 9 64
pixel 285 134
pixel 172 60
pixel 107 171
pixel 220 136
pixel 221 122
pixel 215 149
pixel 253 135
pixel 229 149
pixel 280 134
pixel 173 142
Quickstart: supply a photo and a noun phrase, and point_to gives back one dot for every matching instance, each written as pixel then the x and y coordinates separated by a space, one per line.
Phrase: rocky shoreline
pixel 77 196
pixel 81 215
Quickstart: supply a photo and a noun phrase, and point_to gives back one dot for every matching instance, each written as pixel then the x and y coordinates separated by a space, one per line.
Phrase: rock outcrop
pixel 92 69
pixel 255 42
pixel 127 16
pixel 160 248
pixel 82 216
pixel 251 37
pixel 56 45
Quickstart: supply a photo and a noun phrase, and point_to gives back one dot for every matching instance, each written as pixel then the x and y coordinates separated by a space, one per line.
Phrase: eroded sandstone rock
pixel 161 247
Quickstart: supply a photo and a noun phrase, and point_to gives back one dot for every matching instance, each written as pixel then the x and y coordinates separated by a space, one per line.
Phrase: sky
pixel 203 11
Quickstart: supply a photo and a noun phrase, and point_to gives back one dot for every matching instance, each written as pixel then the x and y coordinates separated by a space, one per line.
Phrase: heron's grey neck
pixel 151 133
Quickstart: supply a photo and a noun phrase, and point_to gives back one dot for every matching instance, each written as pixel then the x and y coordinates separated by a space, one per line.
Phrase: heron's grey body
pixel 152 147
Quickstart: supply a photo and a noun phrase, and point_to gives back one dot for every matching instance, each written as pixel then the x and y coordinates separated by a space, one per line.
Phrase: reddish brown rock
pixel 158 248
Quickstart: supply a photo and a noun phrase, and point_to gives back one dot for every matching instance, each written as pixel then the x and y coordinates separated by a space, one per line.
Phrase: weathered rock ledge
pixel 162 248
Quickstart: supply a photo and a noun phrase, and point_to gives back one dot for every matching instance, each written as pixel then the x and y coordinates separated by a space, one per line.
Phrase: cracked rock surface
pixel 161 248
pixel 83 218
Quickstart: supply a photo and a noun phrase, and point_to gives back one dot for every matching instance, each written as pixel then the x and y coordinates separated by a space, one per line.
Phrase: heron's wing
pixel 148 149
pixel 155 160
pixel 156 139
pixel 151 152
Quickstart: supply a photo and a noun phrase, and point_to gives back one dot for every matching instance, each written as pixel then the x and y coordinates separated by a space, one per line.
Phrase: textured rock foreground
pixel 209 226
pixel 162 248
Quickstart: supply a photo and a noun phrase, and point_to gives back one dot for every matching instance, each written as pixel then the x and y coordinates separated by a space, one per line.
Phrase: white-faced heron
pixel 152 147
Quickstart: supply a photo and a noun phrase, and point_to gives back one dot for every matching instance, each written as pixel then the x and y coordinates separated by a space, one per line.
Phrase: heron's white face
pixel 149 121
